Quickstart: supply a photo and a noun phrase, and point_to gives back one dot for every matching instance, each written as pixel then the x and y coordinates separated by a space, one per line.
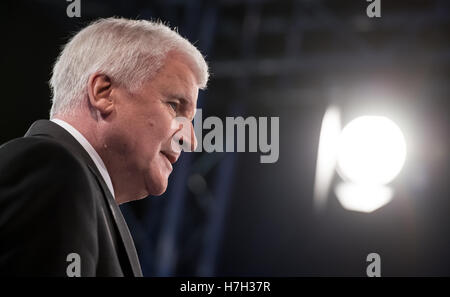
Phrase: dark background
pixel 225 214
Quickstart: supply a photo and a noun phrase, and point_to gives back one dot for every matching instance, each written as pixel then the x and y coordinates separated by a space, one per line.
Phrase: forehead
pixel 175 76
pixel 176 70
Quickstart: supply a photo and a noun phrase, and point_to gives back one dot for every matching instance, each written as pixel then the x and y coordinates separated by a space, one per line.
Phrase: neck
pixel 126 187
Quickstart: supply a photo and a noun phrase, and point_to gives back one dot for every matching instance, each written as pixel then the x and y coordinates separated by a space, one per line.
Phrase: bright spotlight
pixel 363 198
pixel 371 151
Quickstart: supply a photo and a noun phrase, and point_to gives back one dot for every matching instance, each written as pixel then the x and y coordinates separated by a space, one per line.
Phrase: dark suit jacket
pixel 54 202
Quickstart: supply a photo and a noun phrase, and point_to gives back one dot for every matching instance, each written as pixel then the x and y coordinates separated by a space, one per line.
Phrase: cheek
pixel 151 137
pixel 161 128
pixel 119 141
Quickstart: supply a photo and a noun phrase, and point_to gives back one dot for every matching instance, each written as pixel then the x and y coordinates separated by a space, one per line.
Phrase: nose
pixel 187 138
pixel 195 142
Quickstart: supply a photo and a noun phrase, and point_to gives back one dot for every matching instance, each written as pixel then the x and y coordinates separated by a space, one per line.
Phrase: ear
pixel 99 93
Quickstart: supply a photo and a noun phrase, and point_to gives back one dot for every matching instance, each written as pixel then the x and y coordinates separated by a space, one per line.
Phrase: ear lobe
pixel 99 93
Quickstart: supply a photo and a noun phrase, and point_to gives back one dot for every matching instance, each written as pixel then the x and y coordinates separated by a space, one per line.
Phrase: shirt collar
pixel 90 150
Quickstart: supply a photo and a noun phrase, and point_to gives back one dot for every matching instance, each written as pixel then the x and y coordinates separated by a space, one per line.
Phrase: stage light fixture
pixel 372 151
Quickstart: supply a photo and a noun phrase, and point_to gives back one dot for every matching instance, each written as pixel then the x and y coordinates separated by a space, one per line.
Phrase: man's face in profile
pixel 144 124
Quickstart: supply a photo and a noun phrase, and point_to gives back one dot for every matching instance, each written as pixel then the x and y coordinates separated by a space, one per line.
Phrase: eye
pixel 174 105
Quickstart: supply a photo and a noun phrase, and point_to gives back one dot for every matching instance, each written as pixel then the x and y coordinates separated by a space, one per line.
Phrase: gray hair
pixel 128 51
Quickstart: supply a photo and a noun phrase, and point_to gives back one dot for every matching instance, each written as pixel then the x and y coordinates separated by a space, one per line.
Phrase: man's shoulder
pixel 23 144
pixel 41 156
pixel 42 173
pixel 35 148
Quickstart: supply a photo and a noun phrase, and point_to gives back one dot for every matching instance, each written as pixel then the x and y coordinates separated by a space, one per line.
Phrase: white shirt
pixel 89 149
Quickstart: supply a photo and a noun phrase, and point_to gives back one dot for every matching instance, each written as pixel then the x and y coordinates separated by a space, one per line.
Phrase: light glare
pixel 363 198
pixel 372 151
pixel 327 155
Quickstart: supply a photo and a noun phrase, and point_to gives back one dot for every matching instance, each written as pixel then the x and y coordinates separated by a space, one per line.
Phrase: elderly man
pixel 118 87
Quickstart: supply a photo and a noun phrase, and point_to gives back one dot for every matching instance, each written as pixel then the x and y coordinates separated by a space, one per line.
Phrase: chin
pixel 158 193
pixel 157 188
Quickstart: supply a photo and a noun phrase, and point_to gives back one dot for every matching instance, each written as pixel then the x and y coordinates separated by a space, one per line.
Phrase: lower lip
pixel 167 161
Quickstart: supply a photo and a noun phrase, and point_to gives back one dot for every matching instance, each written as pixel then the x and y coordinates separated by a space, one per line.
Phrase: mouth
pixel 172 158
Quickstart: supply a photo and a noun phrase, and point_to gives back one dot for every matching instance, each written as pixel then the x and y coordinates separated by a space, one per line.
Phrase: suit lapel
pixel 121 225
pixel 50 129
